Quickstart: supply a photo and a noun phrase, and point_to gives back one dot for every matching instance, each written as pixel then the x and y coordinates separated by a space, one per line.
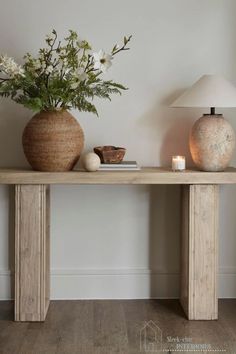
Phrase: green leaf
pixel 42 89
pixel 35 104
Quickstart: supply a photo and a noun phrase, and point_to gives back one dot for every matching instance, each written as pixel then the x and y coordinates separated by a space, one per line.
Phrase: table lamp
pixel 212 139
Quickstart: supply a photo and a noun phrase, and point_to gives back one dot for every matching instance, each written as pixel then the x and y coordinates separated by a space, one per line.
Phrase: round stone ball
pixel 91 162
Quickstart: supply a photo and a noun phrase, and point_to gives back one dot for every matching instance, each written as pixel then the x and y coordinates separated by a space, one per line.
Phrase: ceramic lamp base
pixel 212 142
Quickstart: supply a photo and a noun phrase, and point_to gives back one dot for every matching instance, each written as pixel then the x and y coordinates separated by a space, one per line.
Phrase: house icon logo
pixel 150 337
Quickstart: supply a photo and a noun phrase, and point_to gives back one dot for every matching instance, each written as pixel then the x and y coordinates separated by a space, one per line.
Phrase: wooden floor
pixel 107 327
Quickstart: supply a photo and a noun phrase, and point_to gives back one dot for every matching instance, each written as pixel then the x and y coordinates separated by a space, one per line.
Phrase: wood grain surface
pixel 200 252
pixel 149 175
pixel 113 326
pixel 31 252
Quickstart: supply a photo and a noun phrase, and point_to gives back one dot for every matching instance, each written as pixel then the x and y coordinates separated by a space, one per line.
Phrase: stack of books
pixel 122 166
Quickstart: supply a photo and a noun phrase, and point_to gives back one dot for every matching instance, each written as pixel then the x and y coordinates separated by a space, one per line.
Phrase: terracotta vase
pixel 53 141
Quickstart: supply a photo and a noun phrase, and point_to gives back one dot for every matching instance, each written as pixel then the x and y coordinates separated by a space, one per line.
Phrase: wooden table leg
pixel 32 273
pixel 198 294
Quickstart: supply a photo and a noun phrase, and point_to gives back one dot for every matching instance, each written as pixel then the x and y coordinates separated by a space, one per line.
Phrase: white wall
pixel 123 241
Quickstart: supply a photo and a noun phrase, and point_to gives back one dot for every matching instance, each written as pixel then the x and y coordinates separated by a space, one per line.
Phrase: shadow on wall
pixel 168 130
pixel 176 138
pixel 164 239
pixel 165 200
pixel 11 238
pixel 13 119
pixel 175 142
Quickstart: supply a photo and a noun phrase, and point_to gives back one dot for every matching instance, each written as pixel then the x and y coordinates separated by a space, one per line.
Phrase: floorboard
pixel 118 326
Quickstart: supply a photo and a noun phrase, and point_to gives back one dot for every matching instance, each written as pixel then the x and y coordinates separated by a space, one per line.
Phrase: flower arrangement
pixel 63 75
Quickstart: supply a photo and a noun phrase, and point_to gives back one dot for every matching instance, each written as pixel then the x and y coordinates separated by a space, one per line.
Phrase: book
pixel 122 166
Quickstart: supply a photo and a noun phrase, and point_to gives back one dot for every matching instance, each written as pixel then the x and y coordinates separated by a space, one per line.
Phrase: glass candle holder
pixel 178 163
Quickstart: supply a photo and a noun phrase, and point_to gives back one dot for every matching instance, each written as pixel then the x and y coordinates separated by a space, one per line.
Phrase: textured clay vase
pixel 53 141
pixel 212 142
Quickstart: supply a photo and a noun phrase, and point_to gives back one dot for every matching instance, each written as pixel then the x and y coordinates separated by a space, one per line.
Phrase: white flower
pixel 21 71
pixel 65 61
pixel 37 64
pixel 82 75
pixel 63 52
pixel 81 43
pixel 49 69
pixel 74 85
pixel 67 71
pixel 102 61
pixel 10 67
pixel 43 65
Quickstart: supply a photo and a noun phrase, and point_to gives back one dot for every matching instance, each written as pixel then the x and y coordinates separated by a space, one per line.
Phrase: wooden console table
pixel 199 252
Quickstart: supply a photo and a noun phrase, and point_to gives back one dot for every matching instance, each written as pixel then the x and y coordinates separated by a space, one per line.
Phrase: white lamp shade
pixel 208 91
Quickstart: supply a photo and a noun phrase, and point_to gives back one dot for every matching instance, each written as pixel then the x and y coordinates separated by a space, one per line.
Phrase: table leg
pixel 32 258
pixel 199 252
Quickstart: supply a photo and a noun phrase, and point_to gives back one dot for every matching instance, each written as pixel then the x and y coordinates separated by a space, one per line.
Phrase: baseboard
pixel 5 284
pixel 138 283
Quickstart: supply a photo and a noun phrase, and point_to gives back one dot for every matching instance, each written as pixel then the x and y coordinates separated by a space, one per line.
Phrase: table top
pixel 147 175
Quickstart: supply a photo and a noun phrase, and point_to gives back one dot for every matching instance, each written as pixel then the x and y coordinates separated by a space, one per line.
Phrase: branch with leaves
pixel 63 75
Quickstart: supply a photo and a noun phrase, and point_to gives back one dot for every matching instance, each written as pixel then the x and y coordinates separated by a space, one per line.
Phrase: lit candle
pixel 178 163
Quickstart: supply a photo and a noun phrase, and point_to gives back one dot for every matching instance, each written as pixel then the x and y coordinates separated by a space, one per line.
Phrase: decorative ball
pixel 91 162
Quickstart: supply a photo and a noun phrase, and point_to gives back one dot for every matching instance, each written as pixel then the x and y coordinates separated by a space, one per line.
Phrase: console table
pixel 199 250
